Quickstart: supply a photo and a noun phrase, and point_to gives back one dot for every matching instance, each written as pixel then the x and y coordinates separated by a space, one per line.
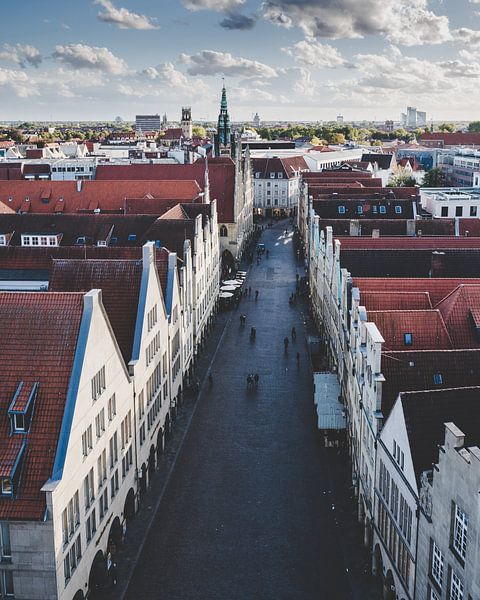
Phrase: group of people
pixel 252 380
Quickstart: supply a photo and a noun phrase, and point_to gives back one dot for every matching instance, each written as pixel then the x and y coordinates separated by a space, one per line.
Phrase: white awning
pixel 326 396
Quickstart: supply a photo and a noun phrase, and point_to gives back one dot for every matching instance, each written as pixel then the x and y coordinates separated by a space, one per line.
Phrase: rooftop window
pixel 360 209
pixel 132 237
pixel 341 210
pixel 407 339
pixel 398 210
pixel 437 378
pixel 383 210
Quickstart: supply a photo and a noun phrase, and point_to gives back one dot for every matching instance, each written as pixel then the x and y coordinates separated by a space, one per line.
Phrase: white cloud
pixel 469 37
pixel 407 22
pixel 123 18
pixel 81 56
pixel 216 5
pixel 210 62
pixel 311 53
pixel 19 83
pixel 20 54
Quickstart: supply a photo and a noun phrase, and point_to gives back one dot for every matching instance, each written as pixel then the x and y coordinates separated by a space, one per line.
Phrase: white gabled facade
pixel 94 466
pixel 396 498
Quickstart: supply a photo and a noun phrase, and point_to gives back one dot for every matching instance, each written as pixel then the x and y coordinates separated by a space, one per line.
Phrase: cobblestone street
pixel 255 508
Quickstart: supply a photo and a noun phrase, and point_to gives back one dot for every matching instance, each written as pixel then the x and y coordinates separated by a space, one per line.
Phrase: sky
pixel 302 60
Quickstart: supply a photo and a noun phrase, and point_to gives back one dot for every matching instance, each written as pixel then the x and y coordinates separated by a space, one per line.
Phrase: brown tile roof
pixel 171 233
pixel 426 414
pixel 108 196
pixel 39 337
pixel 119 281
pixel 221 177
pixel 175 213
pixel 427 328
pixel 452 139
pixel 288 167
pixel 415 370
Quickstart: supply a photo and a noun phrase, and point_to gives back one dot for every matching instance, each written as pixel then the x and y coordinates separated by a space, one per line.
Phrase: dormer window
pixel 383 210
pixel 101 243
pixel 21 408
pixel 3 240
pixel 407 339
pixel 6 486
pixel 437 378
pixel 398 210
pixel 341 210
pixel 80 241
pixel 132 237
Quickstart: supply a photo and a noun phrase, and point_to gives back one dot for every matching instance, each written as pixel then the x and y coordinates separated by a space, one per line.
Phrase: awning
pixel 326 396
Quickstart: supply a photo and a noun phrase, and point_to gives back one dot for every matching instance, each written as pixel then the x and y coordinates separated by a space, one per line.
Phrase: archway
pixel 389 587
pixel 115 537
pixel 79 595
pixel 228 263
pixel 143 478
pixel 98 578
pixel 160 444
pixel 129 507
pixel 377 562
pixel 151 462
pixel 167 427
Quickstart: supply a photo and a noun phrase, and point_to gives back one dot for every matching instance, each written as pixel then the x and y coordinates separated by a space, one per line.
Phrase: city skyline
pixel 301 60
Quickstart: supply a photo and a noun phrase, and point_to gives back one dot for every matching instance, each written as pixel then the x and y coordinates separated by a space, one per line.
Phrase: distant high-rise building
pixel 164 121
pixel 414 118
pixel 389 125
pixel 256 120
pixel 223 137
pixel 147 123
pixel 339 118
pixel 187 122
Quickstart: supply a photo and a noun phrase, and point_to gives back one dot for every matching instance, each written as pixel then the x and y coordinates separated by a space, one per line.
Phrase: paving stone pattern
pixel 255 508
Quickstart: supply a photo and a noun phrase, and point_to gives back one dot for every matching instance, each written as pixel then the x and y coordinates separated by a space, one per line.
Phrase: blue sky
pixel 286 59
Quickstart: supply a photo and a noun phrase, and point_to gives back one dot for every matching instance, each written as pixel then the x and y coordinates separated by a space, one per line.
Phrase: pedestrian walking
pixel 249 291
pixel 256 378
pixel 294 333
pixel 268 253
pixel 256 294
pixel 285 343
pixel 298 358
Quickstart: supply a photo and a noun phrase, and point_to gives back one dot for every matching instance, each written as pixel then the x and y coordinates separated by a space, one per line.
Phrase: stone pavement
pixel 254 508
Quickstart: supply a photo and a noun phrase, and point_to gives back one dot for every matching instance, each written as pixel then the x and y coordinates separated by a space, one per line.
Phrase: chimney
pixel 437 264
pixel 411 227
pixel 148 254
pixel 355 228
pixel 375 233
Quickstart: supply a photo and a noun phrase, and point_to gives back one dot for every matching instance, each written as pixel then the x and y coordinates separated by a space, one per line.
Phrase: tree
pixel 402 179
pixel 199 131
pixel 434 178
pixel 474 126
pixel 450 127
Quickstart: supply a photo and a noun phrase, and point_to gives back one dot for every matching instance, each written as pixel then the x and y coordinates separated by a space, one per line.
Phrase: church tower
pixel 223 138
pixel 186 122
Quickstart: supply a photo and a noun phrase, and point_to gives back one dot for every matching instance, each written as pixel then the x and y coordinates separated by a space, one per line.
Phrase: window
pixel 436 568
pixel 114 484
pixel 437 378
pixel 100 423
pixel 5 540
pixel 113 450
pixel 102 469
pixel 88 489
pixel 341 210
pixel 257 175
pixel 3 240
pixel 360 209
pixel 383 210
pixel 103 504
pixel 280 175
pixel 7 489
pixel 398 455
pixel 374 209
pixel 272 175
pixel 126 429
pixel 458 211
pixel 152 318
pixel 456 587
pixel 444 211
pixel 7 583
pixel 223 231
pixel 112 407
pixel 66 568
pixel 407 339
pixel 19 422
pixel 98 383
pixel 433 595
pixel 91 526
pixel 460 526
pixel 473 211
pixel 87 441
pixel 405 519
pixel 398 210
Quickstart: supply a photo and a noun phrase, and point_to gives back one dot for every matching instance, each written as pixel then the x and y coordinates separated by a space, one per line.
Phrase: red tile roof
pixel 437 288
pixel 451 139
pixel 397 300
pixel 119 281
pixel 39 337
pixel 174 133
pixel 408 242
pixel 109 196
pixel 460 311
pixel 288 167
pixel 221 177
pixel 426 326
